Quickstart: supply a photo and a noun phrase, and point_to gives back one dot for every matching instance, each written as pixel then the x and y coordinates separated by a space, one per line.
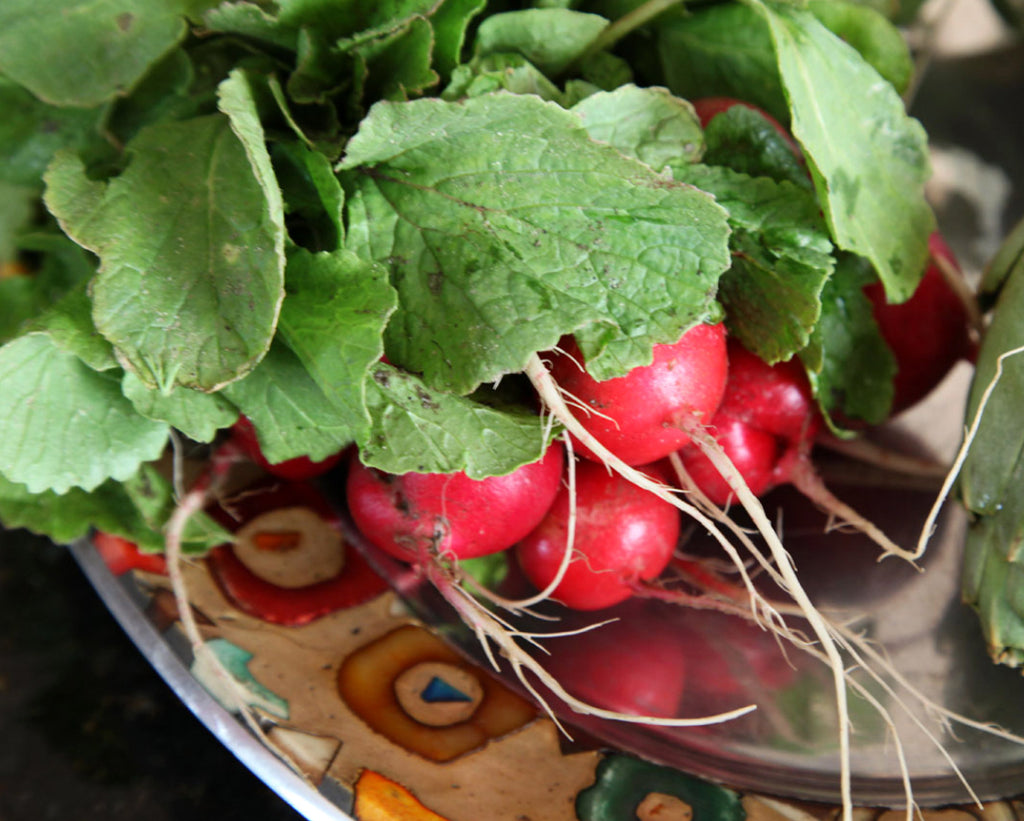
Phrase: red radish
pixel 644 415
pixel 635 665
pixel 766 425
pixel 624 535
pixel 755 453
pixel 295 470
pixel 929 333
pixel 708 108
pixel 121 555
pixel 739 660
pixel 412 514
pixel 774 401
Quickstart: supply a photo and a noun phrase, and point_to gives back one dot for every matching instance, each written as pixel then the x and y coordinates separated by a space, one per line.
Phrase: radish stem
pixel 488 629
pixel 805 478
pixel 871 453
pixel 191 503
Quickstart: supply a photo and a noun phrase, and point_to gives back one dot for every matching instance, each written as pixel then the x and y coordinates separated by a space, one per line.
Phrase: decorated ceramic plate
pixel 373 699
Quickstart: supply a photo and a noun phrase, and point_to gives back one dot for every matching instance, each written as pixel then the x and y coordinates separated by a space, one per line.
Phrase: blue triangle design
pixel 438 691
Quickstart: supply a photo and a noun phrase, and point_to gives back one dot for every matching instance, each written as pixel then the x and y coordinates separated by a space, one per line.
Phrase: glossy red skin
pixel 767 419
pixel 708 108
pixel 738 662
pixel 928 334
pixel 635 665
pixel 624 535
pixel 755 453
pixel 639 416
pixel 295 470
pixel 122 556
pixel 292 606
pixel 405 515
pixel 775 398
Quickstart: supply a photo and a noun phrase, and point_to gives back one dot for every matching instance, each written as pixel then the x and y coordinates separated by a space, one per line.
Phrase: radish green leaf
pixel 505 226
pixel 869 159
pixel 427 431
pixel 69 324
pixel 197 415
pixel 781 259
pixel 54 405
pixel 848 360
pixel 94 51
pixel 290 412
pixel 333 320
pixel 191 250
pixel 550 39
pixel 649 124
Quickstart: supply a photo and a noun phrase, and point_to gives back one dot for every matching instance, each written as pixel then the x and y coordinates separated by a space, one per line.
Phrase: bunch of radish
pixel 600 519
pixel 602 538
pixel 593 540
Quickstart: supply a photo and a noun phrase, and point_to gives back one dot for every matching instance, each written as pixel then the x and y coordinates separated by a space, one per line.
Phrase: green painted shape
pixel 235 660
pixel 623 782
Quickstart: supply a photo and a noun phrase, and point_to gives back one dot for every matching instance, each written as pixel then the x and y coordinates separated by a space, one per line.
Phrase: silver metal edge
pixel 225 726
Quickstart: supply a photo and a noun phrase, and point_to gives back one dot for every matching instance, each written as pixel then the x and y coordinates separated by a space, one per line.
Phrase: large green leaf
pixel 781 259
pixel 390 50
pixel 85 52
pixel 649 124
pixel 505 226
pixel 333 319
pixel 190 239
pixel 290 412
pixel 69 516
pixel 870 160
pixel 500 72
pixel 314 200
pixel 745 140
pixel 64 425
pixel 250 20
pixel 31 132
pixel 551 39
pixel 171 90
pixel 69 324
pixel 849 363
pixel 451 19
pixel 136 509
pixel 426 431
pixel 153 495
pixel 399 62
pixel 879 42
pixel 197 415
pixel 722 50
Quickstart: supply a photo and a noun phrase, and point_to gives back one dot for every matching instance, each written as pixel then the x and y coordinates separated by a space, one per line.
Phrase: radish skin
pixel 640 417
pixel 765 403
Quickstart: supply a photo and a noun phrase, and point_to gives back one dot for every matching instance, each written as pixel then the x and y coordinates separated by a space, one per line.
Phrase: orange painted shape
pixel 381 799
pixel 277 540
pixel 366 683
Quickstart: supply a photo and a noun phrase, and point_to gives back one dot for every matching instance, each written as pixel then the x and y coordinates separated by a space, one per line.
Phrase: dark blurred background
pixel 88 730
